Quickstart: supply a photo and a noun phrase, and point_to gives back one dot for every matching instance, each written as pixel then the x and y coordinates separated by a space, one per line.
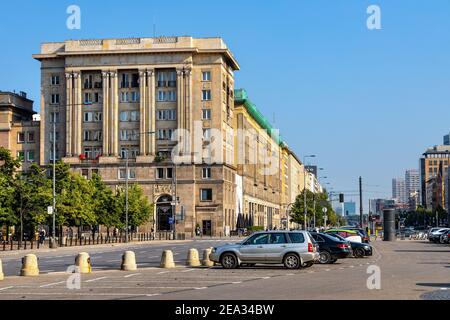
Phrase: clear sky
pixel 367 102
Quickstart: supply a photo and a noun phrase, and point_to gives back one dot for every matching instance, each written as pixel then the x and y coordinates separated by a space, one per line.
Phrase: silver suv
pixel 294 249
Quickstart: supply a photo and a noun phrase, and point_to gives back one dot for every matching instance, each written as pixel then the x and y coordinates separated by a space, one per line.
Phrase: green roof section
pixel 241 97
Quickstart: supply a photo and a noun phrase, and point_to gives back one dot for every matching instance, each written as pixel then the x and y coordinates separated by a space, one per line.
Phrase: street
pixel 409 270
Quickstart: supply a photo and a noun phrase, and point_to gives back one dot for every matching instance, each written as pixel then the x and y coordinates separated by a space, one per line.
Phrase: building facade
pixel 18 131
pixel 119 99
pixel 399 191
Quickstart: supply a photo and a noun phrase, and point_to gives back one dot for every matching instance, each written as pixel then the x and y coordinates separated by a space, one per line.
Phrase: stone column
pixel 106 133
pixel 180 99
pixel 69 88
pixel 142 113
pixel 151 112
pixel 77 114
pixel 188 108
pixel 115 113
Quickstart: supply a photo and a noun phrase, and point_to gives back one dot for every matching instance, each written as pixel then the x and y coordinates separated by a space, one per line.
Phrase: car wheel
pixel 292 261
pixel 229 261
pixel 359 253
pixel 325 257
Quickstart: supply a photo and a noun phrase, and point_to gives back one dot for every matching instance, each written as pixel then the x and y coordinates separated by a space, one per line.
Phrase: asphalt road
pixel 409 270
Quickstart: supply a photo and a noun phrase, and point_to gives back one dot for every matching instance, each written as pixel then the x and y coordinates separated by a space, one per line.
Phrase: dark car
pixel 331 249
pixel 360 250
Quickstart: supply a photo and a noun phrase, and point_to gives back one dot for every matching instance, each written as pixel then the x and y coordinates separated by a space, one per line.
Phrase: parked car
pixel 294 249
pixel 363 233
pixel 445 237
pixel 430 231
pixel 436 235
pixel 360 250
pixel 350 235
pixel 331 248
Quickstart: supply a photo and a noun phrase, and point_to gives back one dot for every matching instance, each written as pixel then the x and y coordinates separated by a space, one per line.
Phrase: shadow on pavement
pixel 437 285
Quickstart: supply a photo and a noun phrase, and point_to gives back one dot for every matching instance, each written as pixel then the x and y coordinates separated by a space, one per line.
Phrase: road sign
pixel 324 210
pixel 50 210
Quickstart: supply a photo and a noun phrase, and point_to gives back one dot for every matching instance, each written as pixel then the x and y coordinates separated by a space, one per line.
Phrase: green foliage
pixel 105 204
pixel 321 201
pixel 8 165
pixel 7 214
pixel 140 211
pixel 255 228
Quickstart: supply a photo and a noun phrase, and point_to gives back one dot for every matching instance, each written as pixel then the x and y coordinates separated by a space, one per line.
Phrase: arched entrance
pixel 163 213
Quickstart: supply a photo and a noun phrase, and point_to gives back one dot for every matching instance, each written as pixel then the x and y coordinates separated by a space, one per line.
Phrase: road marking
pixel 327 269
pixel 142 251
pixel 47 271
pixel 6 288
pixel 118 260
pixel 341 268
pixel 311 271
pixel 154 257
pixel 153 294
pixel 352 266
pixel 131 275
pixel 201 288
pixel 189 270
pixel 163 272
pixel 52 284
pixel 97 279
pixel 265 278
pixel 237 282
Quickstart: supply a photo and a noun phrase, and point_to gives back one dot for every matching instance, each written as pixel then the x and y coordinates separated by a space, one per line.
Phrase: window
pixel 21 137
pixel 161 96
pixel 21 156
pixel 206 95
pixel 88 117
pixel 124 97
pixel 169 174
pixel 172 79
pixel 159 173
pixel 135 96
pixel 87 98
pixel 206 114
pixel 171 96
pixel 54 117
pixel 172 115
pixel 55 80
pixel 297 237
pixel 167 114
pixel 98 116
pixel 206 194
pixel 55 99
pixel 31 137
pixel 124 116
pixel 206 134
pixel 88 82
pixel 206 76
pixel 135 80
pixel 54 157
pixel 97 97
pixel 51 136
pixel 134 116
pixel 277 238
pixel 86 135
pixel 161 79
pixel 125 83
pixel 123 174
pixel 258 239
pixel 206 173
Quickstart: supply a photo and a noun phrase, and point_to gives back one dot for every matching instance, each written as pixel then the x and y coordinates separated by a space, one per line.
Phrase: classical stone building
pixel 18 131
pixel 258 158
pixel 114 99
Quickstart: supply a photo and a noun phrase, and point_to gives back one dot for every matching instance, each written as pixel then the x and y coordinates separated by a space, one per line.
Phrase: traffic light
pixel 341 198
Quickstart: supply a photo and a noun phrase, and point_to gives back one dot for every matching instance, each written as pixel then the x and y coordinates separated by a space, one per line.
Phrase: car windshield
pixel 334 235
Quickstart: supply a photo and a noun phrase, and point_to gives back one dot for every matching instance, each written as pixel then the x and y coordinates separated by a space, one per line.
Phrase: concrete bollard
pixel 167 260
pixel 2 276
pixel 128 261
pixel 83 262
pixel 206 261
pixel 29 266
pixel 193 259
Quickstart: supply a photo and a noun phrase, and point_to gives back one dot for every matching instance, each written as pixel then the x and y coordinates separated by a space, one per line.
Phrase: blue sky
pixel 366 102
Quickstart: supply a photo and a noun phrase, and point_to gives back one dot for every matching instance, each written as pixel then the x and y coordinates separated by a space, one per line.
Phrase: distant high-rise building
pixel 412 180
pixel 399 190
pixel 447 140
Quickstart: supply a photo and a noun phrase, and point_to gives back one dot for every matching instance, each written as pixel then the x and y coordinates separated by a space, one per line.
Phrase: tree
pixel 33 194
pixel 8 167
pixel 105 204
pixel 321 201
pixel 140 211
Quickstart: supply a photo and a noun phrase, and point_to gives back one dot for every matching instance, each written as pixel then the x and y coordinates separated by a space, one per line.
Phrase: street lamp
pixel 304 189
pixel 127 175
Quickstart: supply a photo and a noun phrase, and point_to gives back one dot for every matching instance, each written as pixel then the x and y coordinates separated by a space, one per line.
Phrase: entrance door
pixel 206 228
pixel 163 213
